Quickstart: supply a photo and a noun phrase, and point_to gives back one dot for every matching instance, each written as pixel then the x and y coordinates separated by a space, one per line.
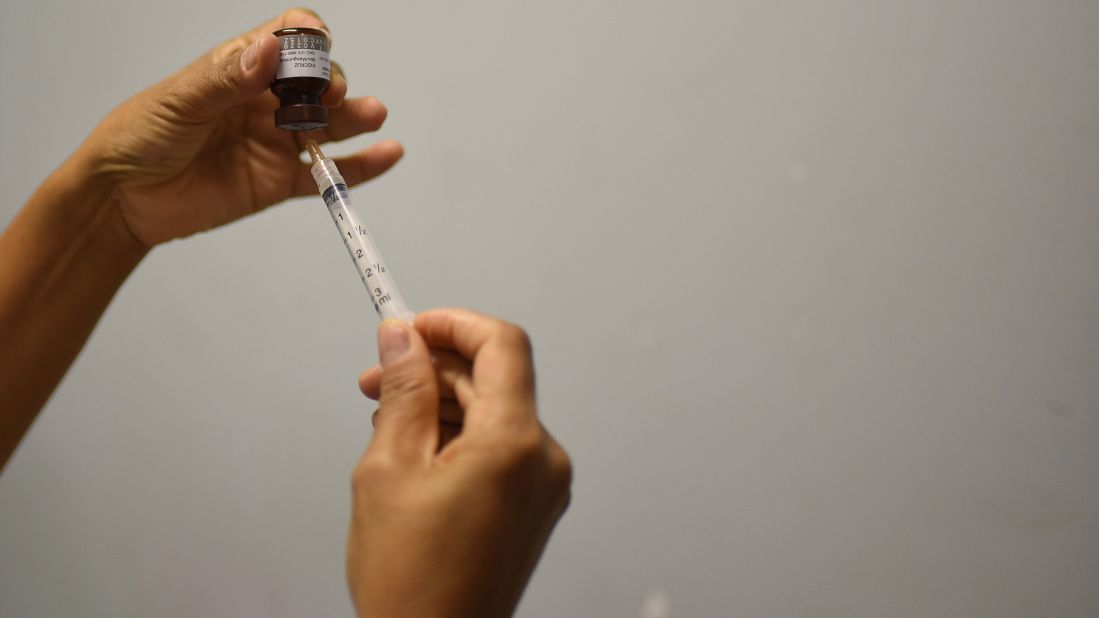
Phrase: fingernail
pixel 248 58
pixel 393 341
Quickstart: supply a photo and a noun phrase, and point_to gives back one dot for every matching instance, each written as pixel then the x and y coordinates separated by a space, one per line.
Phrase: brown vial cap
pixel 302 117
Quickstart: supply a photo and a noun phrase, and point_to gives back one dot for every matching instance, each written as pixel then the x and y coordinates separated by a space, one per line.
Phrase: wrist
pixel 82 200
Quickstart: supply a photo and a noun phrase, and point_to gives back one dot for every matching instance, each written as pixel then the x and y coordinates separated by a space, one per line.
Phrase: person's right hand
pixel 200 149
pixel 460 486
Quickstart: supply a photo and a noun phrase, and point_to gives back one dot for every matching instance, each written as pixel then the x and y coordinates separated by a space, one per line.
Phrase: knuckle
pixel 383 112
pixel 566 500
pixel 301 9
pixel 404 384
pixel 515 337
pixel 303 16
pixel 176 101
pixel 176 91
pixel 531 448
pixel 561 470
pixel 533 461
pixel 297 10
pixel 228 51
pixel 369 469
pixel 525 451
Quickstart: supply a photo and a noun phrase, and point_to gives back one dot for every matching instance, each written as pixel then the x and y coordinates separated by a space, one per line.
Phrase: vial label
pixel 303 55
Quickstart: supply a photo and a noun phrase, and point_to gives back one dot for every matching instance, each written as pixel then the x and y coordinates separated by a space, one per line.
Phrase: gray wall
pixel 814 291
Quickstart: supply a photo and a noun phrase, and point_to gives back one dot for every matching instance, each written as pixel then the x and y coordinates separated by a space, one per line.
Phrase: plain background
pixel 814 290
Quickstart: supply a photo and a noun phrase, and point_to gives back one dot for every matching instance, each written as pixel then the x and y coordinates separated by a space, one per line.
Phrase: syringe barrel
pixel 373 271
pixel 326 175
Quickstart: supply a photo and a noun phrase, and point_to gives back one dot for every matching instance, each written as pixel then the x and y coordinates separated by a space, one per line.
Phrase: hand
pixel 460 486
pixel 200 149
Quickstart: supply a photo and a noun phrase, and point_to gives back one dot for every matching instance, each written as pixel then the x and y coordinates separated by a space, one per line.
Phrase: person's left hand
pixel 200 149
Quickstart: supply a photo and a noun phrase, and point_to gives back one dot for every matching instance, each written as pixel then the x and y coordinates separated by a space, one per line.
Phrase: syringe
pixel 368 261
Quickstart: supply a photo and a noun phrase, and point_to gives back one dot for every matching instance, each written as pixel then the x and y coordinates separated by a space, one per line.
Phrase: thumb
pixel 226 77
pixel 408 418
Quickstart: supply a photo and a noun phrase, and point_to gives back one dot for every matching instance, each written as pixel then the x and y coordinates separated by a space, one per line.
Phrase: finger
pixel 407 428
pixel 355 117
pixel 233 72
pixel 449 413
pixel 356 169
pixel 370 382
pixel 217 82
pixel 337 87
pixel 297 17
pixel 453 373
pixel 455 376
pixel 501 352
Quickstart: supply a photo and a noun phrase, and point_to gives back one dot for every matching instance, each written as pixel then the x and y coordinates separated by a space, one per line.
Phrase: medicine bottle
pixel 301 79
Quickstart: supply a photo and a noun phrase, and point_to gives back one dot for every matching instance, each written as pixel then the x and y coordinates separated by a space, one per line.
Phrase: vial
pixel 301 79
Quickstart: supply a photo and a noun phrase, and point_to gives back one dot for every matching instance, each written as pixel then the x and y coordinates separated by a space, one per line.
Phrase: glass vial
pixel 301 79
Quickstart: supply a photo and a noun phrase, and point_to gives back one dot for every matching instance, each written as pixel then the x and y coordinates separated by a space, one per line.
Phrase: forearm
pixel 61 261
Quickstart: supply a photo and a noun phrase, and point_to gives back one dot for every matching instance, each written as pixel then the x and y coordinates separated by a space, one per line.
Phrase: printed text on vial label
pixel 303 63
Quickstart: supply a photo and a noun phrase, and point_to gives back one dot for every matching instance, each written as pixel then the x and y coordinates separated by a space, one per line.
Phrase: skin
pixel 460 486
